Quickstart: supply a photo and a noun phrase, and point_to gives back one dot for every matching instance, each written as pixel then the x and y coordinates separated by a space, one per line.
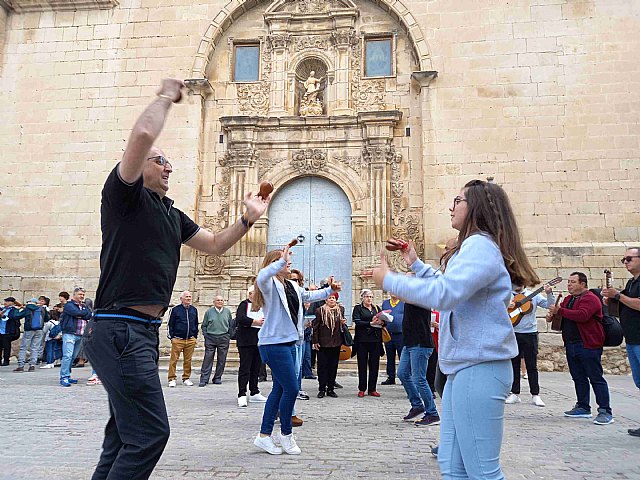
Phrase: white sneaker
pixel 242 401
pixel 257 398
pixel 537 401
pixel 187 382
pixel 266 444
pixel 512 398
pixel 172 383
pixel 288 443
pixel 48 365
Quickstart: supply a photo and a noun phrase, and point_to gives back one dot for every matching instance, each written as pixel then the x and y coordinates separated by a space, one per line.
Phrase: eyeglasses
pixel 629 258
pixel 160 160
pixel 457 201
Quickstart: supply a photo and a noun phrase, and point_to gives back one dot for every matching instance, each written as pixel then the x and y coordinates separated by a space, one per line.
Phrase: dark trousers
pixel 249 369
pixel 328 358
pixel 440 381
pixel 393 348
pixel 213 344
pixel 306 360
pixel 368 356
pixel 585 366
pixel 314 355
pixel 125 357
pixel 432 366
pixel 5 346
pixel 527 348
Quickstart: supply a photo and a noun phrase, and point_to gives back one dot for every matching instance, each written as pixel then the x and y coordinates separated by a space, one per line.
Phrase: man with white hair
pixel 216 328
pixel 183 332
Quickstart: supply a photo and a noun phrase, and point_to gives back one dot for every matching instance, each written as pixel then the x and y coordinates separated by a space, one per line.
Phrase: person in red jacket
pixel 583 337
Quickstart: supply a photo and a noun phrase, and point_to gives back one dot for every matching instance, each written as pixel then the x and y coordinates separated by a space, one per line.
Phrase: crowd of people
pixel 479 353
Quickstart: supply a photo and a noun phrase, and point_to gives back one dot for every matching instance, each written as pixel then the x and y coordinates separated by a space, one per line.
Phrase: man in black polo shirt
pixel 142 233
pixel 629 302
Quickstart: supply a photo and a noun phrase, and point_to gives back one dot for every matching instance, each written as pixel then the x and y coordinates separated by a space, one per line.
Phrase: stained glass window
pixel 378 57
pixel 246 63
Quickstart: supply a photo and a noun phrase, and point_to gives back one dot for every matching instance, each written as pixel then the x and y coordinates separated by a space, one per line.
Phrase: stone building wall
pixel 541 95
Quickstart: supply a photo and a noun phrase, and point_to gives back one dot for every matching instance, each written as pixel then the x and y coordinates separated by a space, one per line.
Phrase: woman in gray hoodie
pixel 476 337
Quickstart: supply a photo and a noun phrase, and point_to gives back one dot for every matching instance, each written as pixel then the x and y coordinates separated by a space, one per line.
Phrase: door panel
pixel 312 206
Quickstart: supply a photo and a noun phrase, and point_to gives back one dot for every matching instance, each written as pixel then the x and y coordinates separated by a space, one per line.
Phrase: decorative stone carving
pixel 343 37
pixel 245 157
pixel 355 162
pixel 311 160
pixel 382 154
pixel 253 98
pixel 209 265
pixel 266 164
pixel 278 41
pixel 310 104
pixel 310 41
pixel 369 96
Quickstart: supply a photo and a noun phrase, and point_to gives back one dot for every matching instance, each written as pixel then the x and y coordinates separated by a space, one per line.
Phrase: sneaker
pixel 217 381
pixel 428 420
pixel 603 418
pixel 18 369
pixel 242 401
pixel 257 398
pixel 525 376
pixel 311 377
pixel 302 395
pixel 72 380
pixel 172 383
pixel 537 401
pixel 332 394
pixel 434 451
pixel 321 394
pixel 634 432
pixel 413 413
pixel 64 382
pixel 578 412
pixel 48 365
pixel 187 382
pixel 360 394
pixel 512 398
pixel 32 368
pixel 296 421
pixel 374 394
pixel 266 444
pixel 337 385
pixel 389 381
pixel 92 377
pixel 202 384
pixel 288 444
pixel 94 381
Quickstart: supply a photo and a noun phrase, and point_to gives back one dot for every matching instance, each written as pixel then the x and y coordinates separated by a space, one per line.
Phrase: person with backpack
pixel 53 337
pixel 216 327
pixel 35 318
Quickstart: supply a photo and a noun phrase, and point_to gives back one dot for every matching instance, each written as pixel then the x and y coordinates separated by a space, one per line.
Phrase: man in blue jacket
pixel 72 322
pixel 183 332
pixel 9 328
pixel 395 330
pixel 35 316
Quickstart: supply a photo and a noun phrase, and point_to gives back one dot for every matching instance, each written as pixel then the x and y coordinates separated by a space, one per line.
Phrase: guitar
pixel 556 320
pixel 522 304
pixel 613 304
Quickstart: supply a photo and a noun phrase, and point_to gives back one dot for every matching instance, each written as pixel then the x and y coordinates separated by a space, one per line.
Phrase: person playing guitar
pixel 526 331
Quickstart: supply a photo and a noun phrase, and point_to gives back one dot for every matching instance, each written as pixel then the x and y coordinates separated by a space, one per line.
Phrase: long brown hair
pixel 269 258
pixel 489 211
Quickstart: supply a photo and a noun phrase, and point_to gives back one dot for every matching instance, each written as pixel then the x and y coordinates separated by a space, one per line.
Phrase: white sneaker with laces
pixel 288 443
pixel 188 382
pixel 242 401
pixel 257 398
pixel 48 365
pixel 172 383
pixel 512 398
pixel 266 444
pixel 537 401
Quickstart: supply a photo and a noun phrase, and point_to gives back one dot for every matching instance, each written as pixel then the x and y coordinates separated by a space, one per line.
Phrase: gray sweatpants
pixel 31 340
pixel 213 343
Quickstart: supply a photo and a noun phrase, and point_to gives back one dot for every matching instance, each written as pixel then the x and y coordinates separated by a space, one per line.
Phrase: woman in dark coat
pixel 368 341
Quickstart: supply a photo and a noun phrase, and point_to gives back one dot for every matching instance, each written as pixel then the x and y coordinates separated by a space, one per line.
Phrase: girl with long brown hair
pixel 476 341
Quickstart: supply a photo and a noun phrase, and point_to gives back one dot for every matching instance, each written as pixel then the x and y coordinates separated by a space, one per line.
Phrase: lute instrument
pixel 522 304
pixel 556 320
pixel 613 305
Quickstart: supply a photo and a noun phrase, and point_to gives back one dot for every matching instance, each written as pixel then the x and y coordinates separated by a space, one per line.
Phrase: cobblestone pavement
pixel 54 432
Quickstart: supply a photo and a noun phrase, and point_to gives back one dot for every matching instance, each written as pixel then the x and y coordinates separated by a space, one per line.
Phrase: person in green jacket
pixel 216 328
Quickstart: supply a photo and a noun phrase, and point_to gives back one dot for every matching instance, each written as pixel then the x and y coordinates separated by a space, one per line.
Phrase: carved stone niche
pixel 311 98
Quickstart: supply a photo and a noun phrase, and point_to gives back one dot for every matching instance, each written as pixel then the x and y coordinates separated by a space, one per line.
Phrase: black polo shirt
pixel 630 318
pixel 141 238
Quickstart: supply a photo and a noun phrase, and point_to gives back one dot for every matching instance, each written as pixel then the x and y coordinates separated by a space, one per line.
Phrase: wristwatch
pixel 617 297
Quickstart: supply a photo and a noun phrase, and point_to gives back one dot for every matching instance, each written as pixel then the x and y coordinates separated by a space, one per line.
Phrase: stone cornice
pixel 20 6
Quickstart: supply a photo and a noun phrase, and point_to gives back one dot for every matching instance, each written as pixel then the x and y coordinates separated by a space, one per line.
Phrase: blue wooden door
pixel 319 211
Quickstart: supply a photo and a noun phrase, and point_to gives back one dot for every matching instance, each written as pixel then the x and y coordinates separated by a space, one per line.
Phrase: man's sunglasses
pixel 629 258
pixel 160 160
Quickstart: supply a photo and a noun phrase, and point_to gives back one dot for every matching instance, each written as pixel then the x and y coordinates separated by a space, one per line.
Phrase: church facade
pixel 368 116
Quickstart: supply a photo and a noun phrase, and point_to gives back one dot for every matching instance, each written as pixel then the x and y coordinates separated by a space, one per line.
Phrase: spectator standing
pixel 327 340
pixel 53 337
pixel 367 342
pixel 34 320
pixel 216 327
pixel 73 322
pixel 183 332
pixel 9 328
pixel 394 346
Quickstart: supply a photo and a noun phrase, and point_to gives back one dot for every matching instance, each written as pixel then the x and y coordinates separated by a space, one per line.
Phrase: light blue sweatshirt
pixel 278 326
pixel 472 296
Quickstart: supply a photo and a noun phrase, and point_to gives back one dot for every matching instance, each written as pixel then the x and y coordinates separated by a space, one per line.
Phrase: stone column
pixel 279 44
pixel 343 40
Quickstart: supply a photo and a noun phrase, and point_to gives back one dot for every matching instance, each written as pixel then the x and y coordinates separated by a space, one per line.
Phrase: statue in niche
pixel 311 105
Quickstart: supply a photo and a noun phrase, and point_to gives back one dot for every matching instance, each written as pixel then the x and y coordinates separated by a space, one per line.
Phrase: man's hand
pixel 609 292
pixel 553 309
pixel 256 206
pixel 171 88
pixel 335 286
pixel 409 255
pixel 316 346
pixel 379 273
pixel 547 289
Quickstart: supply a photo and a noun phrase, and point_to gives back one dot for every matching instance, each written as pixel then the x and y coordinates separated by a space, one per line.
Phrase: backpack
pixel 38 318
pixel 55 333
pixel 233 328
pixel 613 334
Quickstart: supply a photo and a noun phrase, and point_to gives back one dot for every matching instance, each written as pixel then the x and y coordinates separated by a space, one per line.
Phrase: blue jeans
pixel 472 421
pixel 70 347
pixel 391 348
pixel 585 366
pixel 281 358
pixel 306 360
pixel 412 372
pixel 633 354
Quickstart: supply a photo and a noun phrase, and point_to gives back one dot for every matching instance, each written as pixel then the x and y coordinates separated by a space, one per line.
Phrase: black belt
pixel 128 315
